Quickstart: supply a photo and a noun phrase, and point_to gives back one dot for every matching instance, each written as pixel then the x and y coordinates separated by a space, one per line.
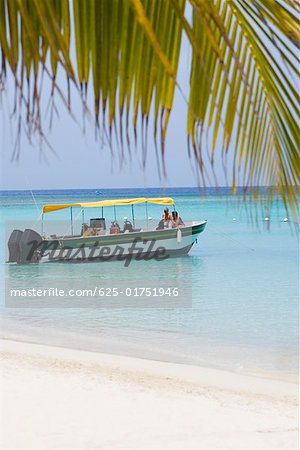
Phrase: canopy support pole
pixel 72 220
pixel 147 214
pixel 115 213
pixel 42 225
pixel 102 212
pixel 132 213
pixel 82 216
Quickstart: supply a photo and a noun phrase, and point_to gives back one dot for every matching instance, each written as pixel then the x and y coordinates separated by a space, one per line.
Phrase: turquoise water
pixel 244 276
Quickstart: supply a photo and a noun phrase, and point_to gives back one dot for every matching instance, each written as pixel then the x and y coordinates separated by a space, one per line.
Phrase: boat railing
pixel 142 228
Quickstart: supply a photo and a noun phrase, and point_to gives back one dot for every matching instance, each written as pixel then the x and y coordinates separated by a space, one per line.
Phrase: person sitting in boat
pixel 165 220
pixel 127 226
pixel 84 228
pixel 88 231
pixel 166 217
pixel 115 228
pixel 176 220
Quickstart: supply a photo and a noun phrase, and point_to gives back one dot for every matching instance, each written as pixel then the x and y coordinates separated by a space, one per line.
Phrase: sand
pixel 56 398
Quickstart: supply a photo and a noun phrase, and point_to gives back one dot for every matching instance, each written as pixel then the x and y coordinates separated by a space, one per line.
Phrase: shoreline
pixel 118 355
pixel 175 405
pixel 221 358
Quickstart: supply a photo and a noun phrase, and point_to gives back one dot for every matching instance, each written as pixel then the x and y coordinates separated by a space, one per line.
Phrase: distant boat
pixel 97 242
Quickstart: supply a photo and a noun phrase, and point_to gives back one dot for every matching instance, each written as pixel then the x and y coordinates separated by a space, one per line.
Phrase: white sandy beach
pixel 59 398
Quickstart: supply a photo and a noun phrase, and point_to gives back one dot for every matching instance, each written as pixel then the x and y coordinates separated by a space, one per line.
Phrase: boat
pixel 99 242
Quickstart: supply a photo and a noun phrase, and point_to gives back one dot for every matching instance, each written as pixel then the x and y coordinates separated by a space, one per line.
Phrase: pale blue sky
pixel 83 162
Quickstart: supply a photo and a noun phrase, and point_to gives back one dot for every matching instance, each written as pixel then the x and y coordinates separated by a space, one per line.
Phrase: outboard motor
pixel 14 246
pixel 30 247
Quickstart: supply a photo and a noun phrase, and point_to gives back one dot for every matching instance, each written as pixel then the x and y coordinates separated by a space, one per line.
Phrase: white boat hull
pixel 143 244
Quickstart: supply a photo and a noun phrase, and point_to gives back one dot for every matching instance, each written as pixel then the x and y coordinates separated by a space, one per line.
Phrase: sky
pixel 81 162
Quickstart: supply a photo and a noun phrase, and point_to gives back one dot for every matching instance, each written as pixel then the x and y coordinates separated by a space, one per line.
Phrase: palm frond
pixel 243 102
pixel 243 96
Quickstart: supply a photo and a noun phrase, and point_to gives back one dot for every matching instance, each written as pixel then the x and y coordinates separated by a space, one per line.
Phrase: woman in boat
pixel 176 220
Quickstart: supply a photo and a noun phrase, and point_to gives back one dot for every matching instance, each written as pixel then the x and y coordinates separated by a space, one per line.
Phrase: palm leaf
pixel 243 102
pixel 251 94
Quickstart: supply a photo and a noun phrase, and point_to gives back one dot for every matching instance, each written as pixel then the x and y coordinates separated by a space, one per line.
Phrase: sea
pixel 243 311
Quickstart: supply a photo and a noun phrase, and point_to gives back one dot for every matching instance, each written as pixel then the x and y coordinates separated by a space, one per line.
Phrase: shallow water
pixel 244 276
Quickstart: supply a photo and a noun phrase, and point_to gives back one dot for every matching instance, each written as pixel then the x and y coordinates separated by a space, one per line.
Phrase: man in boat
pixel 115 228
pixel 166 218
pixel 127 226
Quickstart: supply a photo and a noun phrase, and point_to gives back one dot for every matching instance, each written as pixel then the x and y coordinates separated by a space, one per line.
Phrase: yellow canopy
pixel 113 202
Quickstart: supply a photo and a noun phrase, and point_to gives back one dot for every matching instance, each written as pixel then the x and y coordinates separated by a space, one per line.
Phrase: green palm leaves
pixel 242 103
pixel 243 91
